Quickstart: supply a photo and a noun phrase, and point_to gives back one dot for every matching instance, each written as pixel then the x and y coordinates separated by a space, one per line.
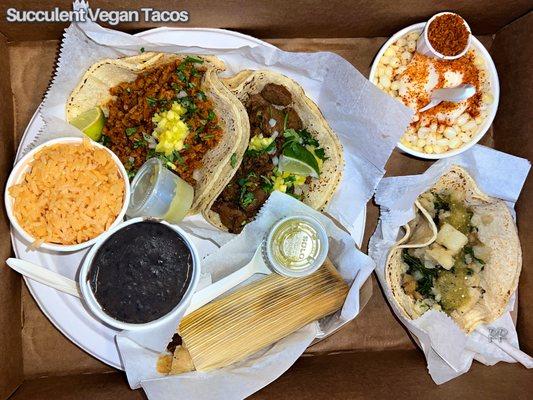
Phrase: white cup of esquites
pixel 409 77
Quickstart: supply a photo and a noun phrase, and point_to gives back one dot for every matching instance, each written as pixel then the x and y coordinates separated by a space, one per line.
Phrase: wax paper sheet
pixel 368 122
pixel 243 378
pixel 449 351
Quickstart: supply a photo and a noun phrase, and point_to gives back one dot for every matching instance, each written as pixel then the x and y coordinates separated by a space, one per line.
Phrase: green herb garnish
pixel 139 143
pixel 151 101
pixel 193 60
pixel 130 131
pixel 425 284
pixel 233 160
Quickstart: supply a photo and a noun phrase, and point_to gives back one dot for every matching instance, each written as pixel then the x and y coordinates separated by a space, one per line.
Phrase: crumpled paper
pixel 243 378
pixel 449 351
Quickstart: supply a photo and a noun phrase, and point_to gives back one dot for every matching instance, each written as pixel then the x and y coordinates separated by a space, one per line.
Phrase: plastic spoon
pixel 200 298
pixel 255 266
pixel 517 354
pixel 455 95
pixel 44 276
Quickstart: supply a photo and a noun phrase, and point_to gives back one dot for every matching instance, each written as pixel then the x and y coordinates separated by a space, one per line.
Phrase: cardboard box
pixel 372 357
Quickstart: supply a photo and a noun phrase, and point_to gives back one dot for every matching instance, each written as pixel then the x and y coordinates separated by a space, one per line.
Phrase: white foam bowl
pixel 23 166
pixel 492 78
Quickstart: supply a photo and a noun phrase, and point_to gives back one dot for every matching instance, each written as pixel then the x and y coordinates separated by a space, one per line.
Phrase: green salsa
pixel 453 289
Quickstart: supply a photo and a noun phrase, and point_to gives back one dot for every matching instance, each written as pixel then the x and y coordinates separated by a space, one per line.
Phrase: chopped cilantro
pixel 201 96
pixel 178 158
pixel 320 153
pixel 151 101
pixel 104 140
pixel 210 115
pixel 267 185
pixel 246 198
pixel 233 160
pixel 130 131
pixel 470 251
pixel 193 60
pixel 139 143
pixel 142 50
pixel 425 284
pixel 181 76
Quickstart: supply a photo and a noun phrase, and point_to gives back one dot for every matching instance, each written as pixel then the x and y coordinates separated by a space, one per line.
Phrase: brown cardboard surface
pixel 513 52
pixel 369 375
pixel 375 328
pixel 372 370
pixel 268 18
pixel 10 321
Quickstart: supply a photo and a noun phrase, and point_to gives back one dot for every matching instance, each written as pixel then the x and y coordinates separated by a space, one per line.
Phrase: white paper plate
pixel 492 77
pixel 67 312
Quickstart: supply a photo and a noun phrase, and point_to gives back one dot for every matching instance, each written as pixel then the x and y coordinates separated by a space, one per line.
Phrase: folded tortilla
pixel 320 191
pixel 499 278
pixel 93 91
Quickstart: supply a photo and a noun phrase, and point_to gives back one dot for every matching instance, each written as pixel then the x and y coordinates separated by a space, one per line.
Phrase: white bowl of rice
pixel 65 193
pixel 446 130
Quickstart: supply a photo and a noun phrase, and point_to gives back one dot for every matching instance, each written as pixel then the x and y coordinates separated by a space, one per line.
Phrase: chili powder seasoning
pixel 448 34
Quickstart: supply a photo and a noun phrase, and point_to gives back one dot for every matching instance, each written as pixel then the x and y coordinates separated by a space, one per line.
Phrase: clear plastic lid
pixel 158 192
pixel 296 246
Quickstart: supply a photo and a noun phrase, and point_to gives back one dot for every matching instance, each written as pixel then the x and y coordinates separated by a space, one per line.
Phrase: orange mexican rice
pixel 71 194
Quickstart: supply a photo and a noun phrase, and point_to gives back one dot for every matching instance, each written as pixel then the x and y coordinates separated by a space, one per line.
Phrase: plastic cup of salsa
pixel 160 193
pixel 136 267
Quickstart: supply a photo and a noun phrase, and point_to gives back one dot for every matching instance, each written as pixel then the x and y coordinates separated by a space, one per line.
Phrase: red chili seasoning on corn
pixel 448 34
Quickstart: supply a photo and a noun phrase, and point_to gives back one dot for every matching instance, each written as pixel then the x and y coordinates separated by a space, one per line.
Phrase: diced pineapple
pixel 441 255
pixel 451 238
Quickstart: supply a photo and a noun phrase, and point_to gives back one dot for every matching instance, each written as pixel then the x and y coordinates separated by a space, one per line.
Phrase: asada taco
pixel 170 106
pixel 291 149
pixel 461 254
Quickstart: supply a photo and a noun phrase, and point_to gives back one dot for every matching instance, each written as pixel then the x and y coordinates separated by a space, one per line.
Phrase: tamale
pixel 255 316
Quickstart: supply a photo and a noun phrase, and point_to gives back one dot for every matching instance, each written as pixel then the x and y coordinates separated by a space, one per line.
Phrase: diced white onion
pixel 275 160
pixel 196 175
pixel 274 135
pixel 181 94
pixel 272 122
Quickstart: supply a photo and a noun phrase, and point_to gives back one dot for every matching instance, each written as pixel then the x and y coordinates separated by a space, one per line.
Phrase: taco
pixel 170 106
pixel 460 255
pixel 291 149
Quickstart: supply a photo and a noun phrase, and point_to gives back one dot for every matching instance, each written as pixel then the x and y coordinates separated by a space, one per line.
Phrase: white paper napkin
pixel 243 378
pixel 449 351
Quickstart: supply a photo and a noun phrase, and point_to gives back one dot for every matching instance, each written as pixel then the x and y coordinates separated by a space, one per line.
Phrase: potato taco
pixel 461 254
pixel 170 106
pixel 291 149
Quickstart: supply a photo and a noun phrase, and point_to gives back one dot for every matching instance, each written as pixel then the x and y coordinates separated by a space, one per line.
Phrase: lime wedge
pixel 90 122
pixel 296 159
pixel 295 166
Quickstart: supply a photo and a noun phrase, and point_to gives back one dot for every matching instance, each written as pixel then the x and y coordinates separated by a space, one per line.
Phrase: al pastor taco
pixel 291 149
pixel 169 106
pixel 461 254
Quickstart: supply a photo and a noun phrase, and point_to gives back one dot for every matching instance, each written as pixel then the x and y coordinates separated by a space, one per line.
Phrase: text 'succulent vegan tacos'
pixel 291 149
pixel 170 106
pixel 461 254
